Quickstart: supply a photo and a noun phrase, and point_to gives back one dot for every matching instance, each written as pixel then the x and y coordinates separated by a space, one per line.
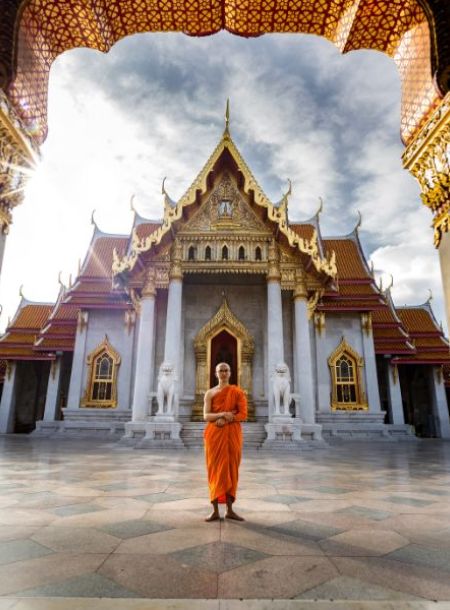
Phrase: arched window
pixel 225 253
pixel 258 256
pixel 345 367
pixel 208 253
pixel 191 253
pixel 101 390
pixel 241 253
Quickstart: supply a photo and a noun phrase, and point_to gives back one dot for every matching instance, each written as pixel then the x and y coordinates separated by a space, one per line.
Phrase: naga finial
pixel 163 188
pixel 60 282
pixel 93 219
pixel 430 298
pixel 320 209
pixel 132 208
pixel 388 288
pixel 359 223
pixel 21 291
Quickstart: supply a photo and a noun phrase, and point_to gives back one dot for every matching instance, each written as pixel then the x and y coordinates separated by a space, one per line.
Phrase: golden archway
pixel 224 319
pixel 346 379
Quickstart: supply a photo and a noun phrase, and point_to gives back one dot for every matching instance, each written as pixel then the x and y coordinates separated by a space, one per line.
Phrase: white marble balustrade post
pixel 51 399
pixel 79 362
pixel 439 401
pixel 302 346
pixel 144 372
pixel 394 392
pixel 8 402
pixel 370 364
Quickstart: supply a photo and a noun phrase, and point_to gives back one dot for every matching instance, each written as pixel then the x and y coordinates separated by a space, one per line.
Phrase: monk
pixel 224 408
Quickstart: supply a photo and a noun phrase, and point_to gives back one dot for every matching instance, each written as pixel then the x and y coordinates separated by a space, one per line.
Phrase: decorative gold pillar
pixel 18 154
pixel 427 157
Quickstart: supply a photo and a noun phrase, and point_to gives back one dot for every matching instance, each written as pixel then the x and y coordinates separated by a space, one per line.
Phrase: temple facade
pixel 130 348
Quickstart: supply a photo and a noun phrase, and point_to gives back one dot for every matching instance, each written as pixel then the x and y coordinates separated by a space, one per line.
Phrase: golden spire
pixel 227 117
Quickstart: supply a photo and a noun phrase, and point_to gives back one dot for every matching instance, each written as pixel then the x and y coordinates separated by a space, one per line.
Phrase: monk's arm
pixel 207 415
pixel 240 413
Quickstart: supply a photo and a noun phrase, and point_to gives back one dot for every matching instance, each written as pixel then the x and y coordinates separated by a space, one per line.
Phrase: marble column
pixel 275 346
pixel 79 362
pixel 323 370
pixel 439 402
pixel 394 394
pixel 144 370
pixel 51 399
pixel 370 364
pixel 302 346
pixel 8 402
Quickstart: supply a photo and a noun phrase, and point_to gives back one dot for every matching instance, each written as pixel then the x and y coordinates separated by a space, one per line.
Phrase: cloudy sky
pixel 154 106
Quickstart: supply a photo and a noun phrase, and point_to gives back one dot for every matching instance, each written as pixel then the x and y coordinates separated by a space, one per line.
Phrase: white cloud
pixel 153 107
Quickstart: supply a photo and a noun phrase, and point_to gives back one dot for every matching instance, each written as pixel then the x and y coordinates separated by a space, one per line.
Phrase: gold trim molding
pixel 428 159
pixel 18 154
pixel 361 401
pixel 277 214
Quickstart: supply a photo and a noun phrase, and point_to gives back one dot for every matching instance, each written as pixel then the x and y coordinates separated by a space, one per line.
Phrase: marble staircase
pixel 192 434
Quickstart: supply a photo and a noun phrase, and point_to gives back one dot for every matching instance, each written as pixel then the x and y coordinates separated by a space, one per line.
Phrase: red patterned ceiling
pixel 50 27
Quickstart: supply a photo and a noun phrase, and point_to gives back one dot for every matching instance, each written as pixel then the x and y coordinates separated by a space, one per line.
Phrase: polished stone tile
pixel 408 501
pixel 304 530
pixel 423 556
pixel 75 509
pixel 159 578
pixel 132 529
pixel 89 585
pixel 361 542
pixel 19 550
pixel 376 515
pixel 76 540
pixel 217 556
pixel 345 587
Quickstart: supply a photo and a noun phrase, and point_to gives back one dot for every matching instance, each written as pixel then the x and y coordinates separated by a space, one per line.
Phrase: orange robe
pixel 223 446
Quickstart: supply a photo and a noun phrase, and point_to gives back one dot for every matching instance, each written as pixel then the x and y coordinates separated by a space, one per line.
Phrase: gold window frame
pixel 360 402
pixel 104 347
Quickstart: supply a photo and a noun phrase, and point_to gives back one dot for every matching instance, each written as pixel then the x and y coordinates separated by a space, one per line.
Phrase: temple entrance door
pixel 224 348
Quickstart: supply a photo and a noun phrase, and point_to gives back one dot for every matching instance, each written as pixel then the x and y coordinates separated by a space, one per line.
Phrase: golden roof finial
pixel 163 188
pixel 359 223
pixel 227 116
pixel 430 298
pixel 21 291
pixel 132 208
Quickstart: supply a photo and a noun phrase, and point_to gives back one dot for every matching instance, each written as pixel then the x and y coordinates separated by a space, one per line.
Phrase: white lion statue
pixel 281 386
pixel 167 389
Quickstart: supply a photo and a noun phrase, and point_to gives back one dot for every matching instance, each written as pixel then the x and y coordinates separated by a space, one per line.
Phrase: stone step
pixel 192 435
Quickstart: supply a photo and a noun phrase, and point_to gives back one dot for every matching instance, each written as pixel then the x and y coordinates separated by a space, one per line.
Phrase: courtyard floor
pixel 356 521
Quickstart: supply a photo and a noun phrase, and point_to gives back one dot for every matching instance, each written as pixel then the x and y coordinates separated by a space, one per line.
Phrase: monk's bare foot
pixel 230 514
pixel 214 516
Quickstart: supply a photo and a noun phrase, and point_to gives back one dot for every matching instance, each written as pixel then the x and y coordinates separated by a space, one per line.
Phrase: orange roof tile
pixel 349 260
pixel 145 229
pixel 32 316
pixel 416 319
pixel 100 256
pixel 305 231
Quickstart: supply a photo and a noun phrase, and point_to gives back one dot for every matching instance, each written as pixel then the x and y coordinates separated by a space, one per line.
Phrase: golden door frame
pixel 224 319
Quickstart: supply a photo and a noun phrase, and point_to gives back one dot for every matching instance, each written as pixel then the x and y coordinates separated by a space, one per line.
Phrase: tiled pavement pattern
pixel 357 521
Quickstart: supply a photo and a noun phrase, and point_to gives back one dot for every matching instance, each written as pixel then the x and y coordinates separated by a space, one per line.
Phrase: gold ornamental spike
pixel 227 116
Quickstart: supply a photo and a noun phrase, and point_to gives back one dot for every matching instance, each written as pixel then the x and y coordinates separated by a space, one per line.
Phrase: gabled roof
pixel 173 213
pixel 389 333
pixel 429 340
pixel 93 286
pixel 20 334
pixel 356 289
pixel 58 334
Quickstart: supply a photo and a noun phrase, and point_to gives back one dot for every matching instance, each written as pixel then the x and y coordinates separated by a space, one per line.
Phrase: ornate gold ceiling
pixel 39 30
